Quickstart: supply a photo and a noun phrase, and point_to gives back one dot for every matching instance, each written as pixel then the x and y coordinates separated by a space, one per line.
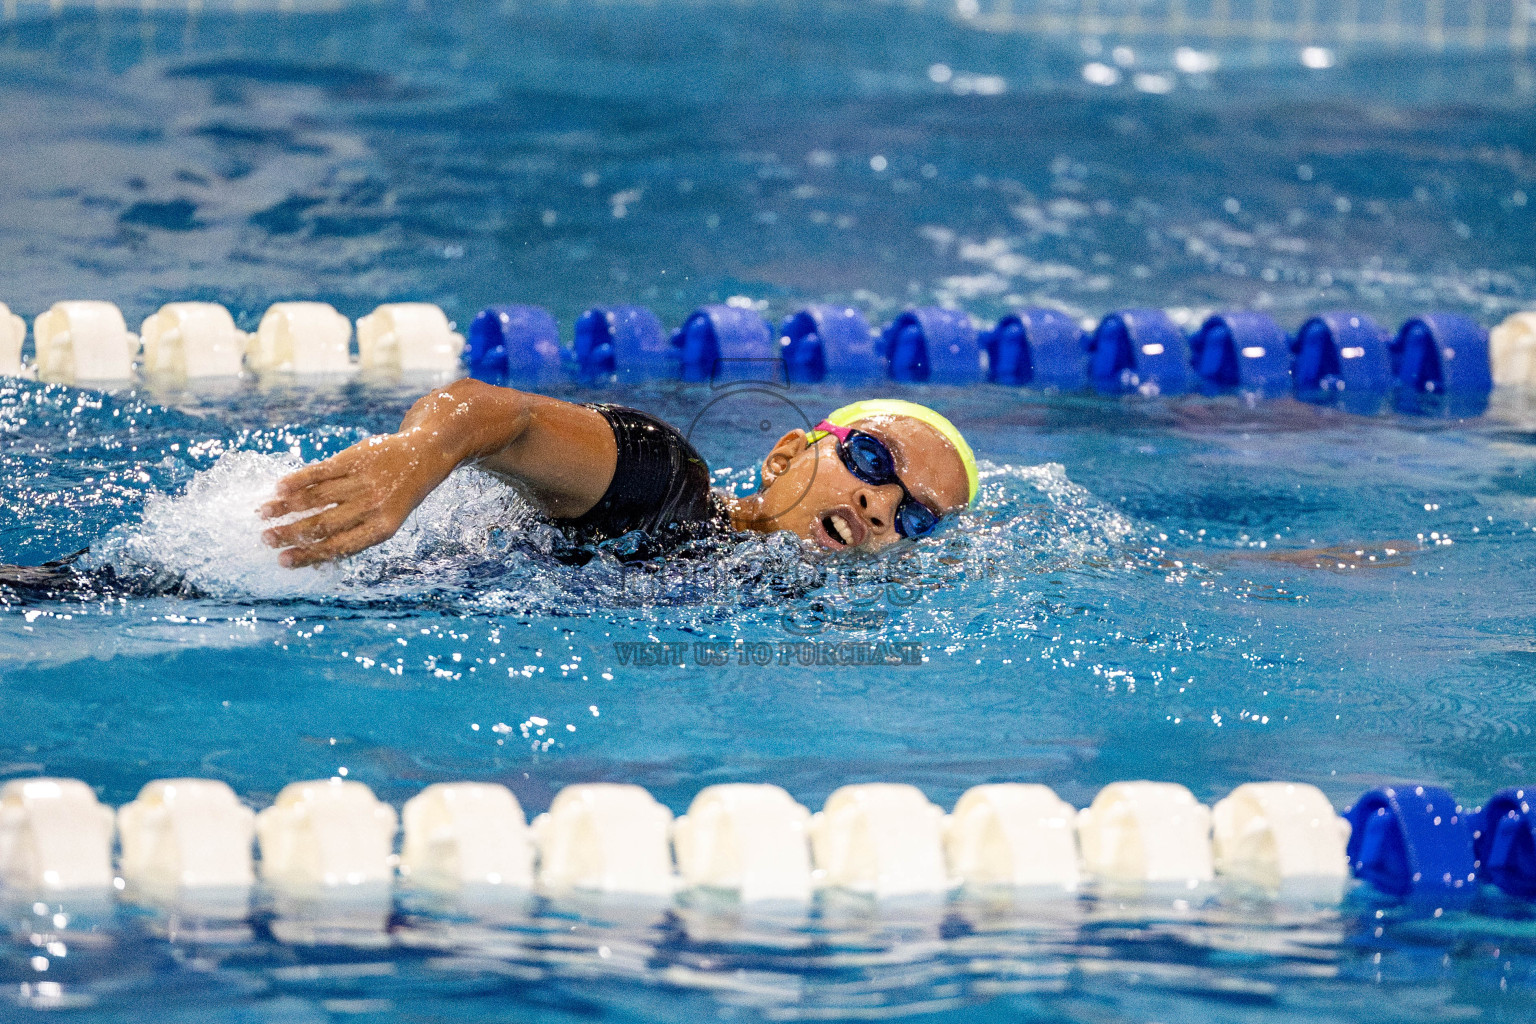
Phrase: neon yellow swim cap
pixel 897 407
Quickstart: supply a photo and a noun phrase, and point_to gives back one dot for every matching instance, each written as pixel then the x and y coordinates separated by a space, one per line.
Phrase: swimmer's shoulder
pixel 660 482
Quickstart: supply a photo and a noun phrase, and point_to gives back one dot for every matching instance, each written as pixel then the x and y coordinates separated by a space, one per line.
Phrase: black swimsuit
pixel 659 497
pixel 660 483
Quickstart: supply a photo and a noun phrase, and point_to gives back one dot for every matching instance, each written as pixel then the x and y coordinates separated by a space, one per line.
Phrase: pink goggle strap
pixel 824 428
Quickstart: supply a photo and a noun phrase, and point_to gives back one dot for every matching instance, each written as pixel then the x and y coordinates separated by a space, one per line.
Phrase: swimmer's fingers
pixel 342 466
pixel 333 491
pixel 343 544
pixel 335 520
pixel 329 469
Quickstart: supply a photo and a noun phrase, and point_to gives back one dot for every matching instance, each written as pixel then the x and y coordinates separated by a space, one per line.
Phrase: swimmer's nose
pixel 877 506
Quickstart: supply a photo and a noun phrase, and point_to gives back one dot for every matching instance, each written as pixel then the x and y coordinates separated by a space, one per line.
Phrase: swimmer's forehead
pixel 928 462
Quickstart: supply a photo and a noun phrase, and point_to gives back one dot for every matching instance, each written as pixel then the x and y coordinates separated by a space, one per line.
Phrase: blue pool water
pixel 1196 590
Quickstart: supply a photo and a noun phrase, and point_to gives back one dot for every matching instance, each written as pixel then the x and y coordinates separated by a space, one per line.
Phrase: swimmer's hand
pixel 362 495
pixel 558 455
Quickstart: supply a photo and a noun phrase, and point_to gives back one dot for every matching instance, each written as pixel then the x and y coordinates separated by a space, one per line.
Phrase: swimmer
pixel 867 476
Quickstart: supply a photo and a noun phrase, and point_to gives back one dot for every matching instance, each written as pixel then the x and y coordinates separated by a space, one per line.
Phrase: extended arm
pixel 559 455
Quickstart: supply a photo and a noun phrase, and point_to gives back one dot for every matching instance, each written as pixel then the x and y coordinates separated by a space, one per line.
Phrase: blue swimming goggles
pixel 869 460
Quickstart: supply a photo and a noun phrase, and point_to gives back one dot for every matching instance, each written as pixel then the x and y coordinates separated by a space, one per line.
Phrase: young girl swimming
pixel 867 476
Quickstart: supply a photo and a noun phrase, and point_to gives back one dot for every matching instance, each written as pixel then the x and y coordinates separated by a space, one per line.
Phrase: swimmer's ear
pixel 778 460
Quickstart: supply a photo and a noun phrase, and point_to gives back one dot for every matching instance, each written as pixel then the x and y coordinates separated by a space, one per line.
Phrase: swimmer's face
pixel 808 491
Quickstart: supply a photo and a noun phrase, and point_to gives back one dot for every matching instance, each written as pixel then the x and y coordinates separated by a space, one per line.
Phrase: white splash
pixel 210 534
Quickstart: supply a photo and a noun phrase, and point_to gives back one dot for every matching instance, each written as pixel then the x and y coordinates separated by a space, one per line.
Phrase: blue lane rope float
pixel 829 343
pixel 1343 357
pixel 1242 351
pixel 1505 843
pixel 1413 842
pixel 625 341
pixel 722 342
pixel 513 342
pixel 1042 348
pixel 1139 351
pixel 932 345
pixel 1443 356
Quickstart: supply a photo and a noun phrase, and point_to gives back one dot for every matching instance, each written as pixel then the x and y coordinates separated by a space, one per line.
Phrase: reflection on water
pixel 1129 953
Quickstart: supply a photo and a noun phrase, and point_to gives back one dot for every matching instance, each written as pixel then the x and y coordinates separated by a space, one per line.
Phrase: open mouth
pixel 840 529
